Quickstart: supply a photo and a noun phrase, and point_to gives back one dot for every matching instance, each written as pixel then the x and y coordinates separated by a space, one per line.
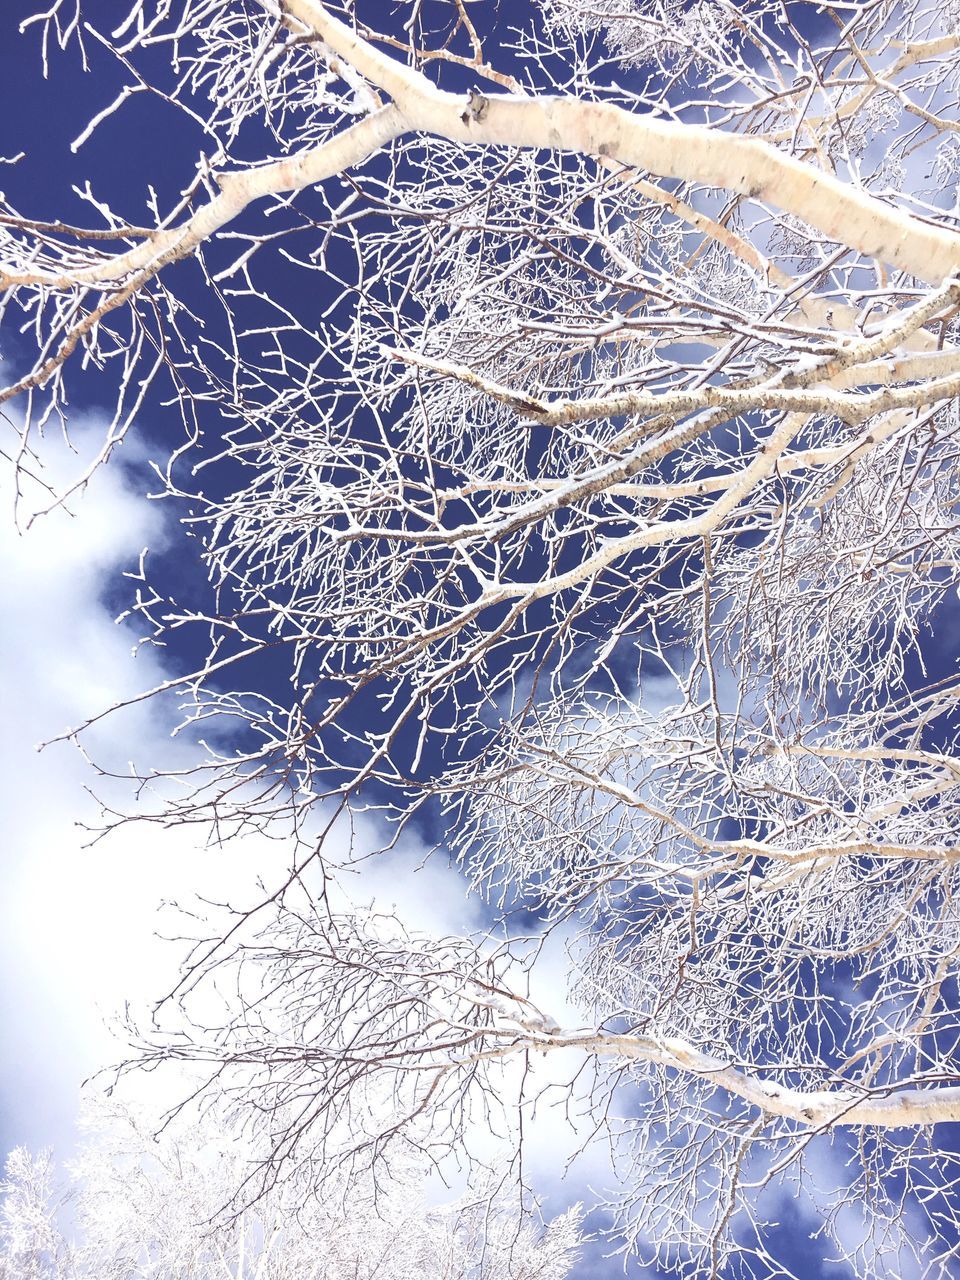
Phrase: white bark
pixel 818 1109
pixel 669 149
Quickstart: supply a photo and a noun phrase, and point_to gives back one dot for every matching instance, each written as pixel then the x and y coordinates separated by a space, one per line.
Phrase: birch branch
pixel 885 1108
pixel 237 191
pixel 669 149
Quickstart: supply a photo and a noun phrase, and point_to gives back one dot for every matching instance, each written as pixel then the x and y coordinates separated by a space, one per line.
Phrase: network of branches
pixel 570 440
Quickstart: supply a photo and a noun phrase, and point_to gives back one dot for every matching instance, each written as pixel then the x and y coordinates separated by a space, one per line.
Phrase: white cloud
pixel 78 924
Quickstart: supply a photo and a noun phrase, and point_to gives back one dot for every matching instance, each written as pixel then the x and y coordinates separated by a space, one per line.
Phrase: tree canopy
pixel 139 1207
pixel 569 454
